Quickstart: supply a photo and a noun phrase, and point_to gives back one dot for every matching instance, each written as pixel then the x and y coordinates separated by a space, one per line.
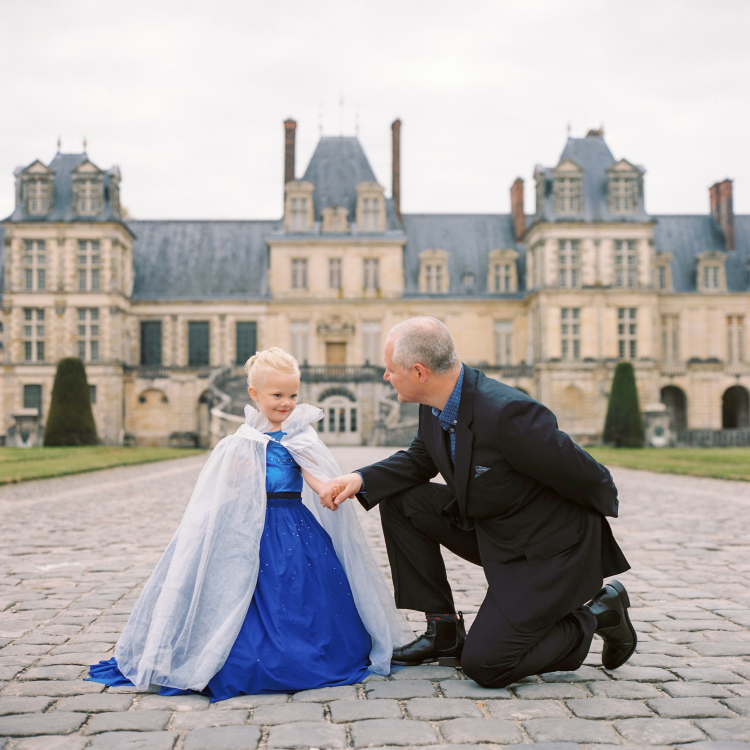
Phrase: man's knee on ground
pixel 477 667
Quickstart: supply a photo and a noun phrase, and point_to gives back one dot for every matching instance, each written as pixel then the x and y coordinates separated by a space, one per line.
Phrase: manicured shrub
pixel 70 420
pixel 623 426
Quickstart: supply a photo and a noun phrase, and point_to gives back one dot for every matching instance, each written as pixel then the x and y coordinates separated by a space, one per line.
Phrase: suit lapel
pixel 464 437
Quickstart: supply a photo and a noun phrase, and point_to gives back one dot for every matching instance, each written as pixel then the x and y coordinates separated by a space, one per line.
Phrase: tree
pixel 623 426
pixel 70 421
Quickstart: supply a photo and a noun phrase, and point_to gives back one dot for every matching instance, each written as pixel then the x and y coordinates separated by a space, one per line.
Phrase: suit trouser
pixel 495 653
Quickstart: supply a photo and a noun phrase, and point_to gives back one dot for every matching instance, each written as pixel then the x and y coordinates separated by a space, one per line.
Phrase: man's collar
pixel 449 413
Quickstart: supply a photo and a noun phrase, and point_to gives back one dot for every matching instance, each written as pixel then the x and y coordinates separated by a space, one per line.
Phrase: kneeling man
pixel 522 500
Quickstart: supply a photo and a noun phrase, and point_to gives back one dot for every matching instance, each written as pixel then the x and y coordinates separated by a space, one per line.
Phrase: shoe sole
pixel 443 661
pixel 625 599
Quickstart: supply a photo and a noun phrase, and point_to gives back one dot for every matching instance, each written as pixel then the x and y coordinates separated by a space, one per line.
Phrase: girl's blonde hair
pixel 273 358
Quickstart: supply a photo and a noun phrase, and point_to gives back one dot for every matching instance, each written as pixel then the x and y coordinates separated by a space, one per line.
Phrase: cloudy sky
pixel 188 97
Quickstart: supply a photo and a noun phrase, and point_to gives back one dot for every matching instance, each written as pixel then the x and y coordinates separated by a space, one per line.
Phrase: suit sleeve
pixel 399 472
pixel 528 437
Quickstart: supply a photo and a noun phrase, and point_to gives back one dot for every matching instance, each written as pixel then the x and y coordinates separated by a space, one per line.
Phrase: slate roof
pixel 200 259
pixel 63 165
pixel 468 238
pixel 336 167
pixel 593 156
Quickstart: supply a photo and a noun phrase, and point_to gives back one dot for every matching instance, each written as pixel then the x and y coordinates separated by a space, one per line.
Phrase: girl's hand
pixel 335 489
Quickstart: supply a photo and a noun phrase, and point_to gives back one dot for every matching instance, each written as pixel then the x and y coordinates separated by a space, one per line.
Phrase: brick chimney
pixel 722 209
pixel 396 190
pixel 516 209
pixel 290 130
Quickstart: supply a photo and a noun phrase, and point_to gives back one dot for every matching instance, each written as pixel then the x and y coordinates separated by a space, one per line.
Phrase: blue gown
pixel 302 629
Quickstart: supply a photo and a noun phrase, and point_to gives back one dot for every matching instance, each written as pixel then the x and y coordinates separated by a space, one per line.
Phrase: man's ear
pixel 421 371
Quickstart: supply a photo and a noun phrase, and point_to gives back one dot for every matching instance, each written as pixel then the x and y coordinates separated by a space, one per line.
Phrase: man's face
pixel 405 381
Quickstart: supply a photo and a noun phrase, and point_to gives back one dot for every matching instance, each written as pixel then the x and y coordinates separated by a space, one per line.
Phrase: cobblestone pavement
pixel 75 551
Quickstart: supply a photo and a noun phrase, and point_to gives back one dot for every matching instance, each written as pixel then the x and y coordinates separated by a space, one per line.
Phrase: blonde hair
pixel 273 358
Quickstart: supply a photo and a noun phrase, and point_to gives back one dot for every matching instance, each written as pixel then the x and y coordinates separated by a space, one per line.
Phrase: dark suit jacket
pixel 539 510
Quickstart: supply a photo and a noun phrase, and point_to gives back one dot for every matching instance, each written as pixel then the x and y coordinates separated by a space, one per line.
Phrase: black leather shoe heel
pixel 443 642
pixel 620 639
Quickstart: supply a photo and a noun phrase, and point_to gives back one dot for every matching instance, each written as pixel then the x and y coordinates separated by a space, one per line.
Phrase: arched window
pixel 676 402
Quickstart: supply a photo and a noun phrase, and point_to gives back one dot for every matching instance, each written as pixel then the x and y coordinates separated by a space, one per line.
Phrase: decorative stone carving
pixel 335 328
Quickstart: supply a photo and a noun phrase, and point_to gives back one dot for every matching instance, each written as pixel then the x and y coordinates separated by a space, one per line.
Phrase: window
pixel 300 335
pixel 568 264
pixel 92 394
pixel 38 197
pixel 89 262
pixel 670 338
pixel 299 273
pixel 567 195
pixel 334 273
pixel 570 333
pixel 372 273
pixel 33 334
pixel 710 277
pixel 371 342
pixel 32 397
pixel 247 340
pixel 151 342
pixel 503 342
pixel 626 333
pixel 735 338
pixel 88 334
pixel 340 417
pixel 502 276
pixel 434 277
pixel 299 217
pixel 623 195
pixel 626 264
pixel 198 343
pixel 34 262
pixel 370 215
pixel 89 197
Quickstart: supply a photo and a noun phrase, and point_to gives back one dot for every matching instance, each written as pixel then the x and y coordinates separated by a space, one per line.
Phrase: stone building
pixel 165 313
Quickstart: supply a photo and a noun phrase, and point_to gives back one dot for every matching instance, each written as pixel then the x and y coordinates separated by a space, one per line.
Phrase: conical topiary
pixel 623 426
pixel 70 421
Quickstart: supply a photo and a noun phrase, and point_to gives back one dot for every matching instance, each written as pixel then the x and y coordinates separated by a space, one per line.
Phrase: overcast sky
pixel 188 97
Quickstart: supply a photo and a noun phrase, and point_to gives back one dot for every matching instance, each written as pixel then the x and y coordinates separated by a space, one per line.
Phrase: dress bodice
pixel 283 474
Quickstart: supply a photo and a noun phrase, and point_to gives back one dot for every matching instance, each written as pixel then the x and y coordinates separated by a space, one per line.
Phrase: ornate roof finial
pixel 568 128
pixel 84 143
pixel 59 143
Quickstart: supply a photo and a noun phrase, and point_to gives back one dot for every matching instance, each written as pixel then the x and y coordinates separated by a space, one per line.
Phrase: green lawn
pixel 19 464
pixel 720 463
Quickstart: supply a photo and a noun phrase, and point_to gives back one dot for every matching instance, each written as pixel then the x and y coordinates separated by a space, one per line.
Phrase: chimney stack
pixel 516 209
pixel 722 209
pixel 396 190
pixel 290 130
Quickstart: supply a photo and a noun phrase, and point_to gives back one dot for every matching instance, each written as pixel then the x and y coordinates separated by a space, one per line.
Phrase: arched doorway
pixel 735 408
pixel 341 421
pixel 675 400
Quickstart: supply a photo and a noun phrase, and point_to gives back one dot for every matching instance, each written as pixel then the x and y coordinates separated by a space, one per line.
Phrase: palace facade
pixel 165 313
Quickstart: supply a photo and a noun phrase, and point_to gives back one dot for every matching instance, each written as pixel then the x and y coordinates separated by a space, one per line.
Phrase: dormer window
pixel 711 272
pixel 433 272
pixel 38 198
pixel 298 206
pixel 567 188
pixel 370 207
pixel 663 272
pixel 503 276
pixel 624 187
pixel 89 197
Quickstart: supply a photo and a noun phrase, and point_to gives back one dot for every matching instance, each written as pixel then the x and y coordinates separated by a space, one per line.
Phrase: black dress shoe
pixel 443 642
pixel 610 607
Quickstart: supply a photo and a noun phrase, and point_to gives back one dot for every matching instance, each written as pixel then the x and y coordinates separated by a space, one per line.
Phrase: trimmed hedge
pixel 623 426
pixel 70 420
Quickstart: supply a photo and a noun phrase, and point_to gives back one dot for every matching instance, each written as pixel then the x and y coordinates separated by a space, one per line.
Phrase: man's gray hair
pixel 426 341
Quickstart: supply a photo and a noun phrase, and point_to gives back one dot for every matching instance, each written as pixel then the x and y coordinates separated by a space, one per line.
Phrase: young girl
pixel 260 590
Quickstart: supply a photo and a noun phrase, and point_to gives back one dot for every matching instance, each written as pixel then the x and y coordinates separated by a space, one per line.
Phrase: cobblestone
pixel 66 588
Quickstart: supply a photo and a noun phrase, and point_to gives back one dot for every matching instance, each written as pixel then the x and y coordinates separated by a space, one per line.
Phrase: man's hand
pixel 335 492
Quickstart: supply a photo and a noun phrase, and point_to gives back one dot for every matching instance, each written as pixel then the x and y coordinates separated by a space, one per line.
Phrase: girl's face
pixel 276 397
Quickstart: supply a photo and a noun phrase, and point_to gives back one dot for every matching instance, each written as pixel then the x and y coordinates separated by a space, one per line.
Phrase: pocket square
pixel 479 470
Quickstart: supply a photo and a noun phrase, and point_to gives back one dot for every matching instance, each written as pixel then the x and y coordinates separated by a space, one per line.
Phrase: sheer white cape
pixel 192 607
